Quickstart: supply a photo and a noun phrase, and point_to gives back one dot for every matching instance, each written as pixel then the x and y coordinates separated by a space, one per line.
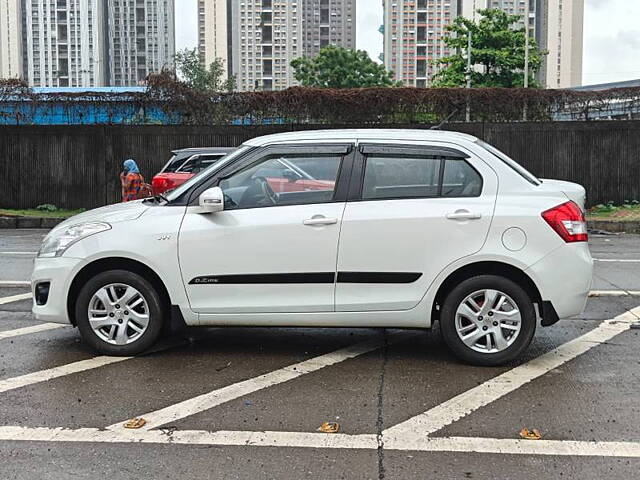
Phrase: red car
pixel 184 164
pixel 281 175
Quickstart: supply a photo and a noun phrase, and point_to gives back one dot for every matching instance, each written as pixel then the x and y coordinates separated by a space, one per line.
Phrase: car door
pixel 412 211
pixel 269 251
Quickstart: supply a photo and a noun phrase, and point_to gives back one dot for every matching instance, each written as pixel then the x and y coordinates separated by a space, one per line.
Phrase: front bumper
pixel 564 278
pixel 59 273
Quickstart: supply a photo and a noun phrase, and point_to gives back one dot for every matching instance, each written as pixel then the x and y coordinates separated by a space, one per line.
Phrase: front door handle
pixel 320 220
pixel 463 215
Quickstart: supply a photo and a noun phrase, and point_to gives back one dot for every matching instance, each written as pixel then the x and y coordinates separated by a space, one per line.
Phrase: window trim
pixel 509 162
pixel 344 150
pixel 443 153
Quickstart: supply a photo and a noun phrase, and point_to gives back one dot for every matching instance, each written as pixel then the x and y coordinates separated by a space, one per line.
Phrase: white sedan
pixel 383 228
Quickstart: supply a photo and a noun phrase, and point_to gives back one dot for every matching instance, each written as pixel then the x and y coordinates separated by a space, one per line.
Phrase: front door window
pixel 292 179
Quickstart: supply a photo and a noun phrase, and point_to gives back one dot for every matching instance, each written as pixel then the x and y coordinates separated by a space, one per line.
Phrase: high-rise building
pixel 11 39
pixel 64 42
pixel 413 37
pixel 214 38
pixel 89 43
pixel 328 22
pixel 141 39
pixel 258 39
pixel 556 25
pixel 564 41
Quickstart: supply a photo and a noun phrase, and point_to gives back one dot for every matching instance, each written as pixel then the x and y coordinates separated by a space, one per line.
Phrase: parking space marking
pixel 319 440
pixel 614 293
pixel 56 372
pixel 27 330
pixel 15 298
pixel 222 395
pixel 14 283
pixel 417 428
pixel 521 447
pixel 30 254
pixel 617 260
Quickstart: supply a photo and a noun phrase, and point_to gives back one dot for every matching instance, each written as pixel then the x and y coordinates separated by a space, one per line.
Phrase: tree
pixel 497 47
pixel 199 77
pixel 337 67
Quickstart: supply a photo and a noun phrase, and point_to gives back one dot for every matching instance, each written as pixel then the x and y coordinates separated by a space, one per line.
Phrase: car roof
pixel 194 150
pixel 362 135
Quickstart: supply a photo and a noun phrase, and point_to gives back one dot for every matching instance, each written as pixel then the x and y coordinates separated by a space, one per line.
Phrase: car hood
pixel 119 212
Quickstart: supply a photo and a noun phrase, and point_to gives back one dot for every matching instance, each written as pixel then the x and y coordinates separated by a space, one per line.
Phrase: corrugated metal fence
pixel 78 166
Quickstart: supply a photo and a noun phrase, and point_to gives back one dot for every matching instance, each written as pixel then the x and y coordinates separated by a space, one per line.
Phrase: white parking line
pixel 320 440
pixel 522 447
pixel 417 428
pixel 56 372
pixel 27 330
pixel 15 298
pixel 15 283
pixel 617 260
pixel 614 293
pixel 231 392
pixel 30 254
pixel 411 435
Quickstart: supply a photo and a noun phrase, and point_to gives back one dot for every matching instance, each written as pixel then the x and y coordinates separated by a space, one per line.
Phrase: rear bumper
pixel 564 278
pixel 58 272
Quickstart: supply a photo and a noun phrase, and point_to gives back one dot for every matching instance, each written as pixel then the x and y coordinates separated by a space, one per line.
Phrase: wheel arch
pixel 114 263
pixel 502 269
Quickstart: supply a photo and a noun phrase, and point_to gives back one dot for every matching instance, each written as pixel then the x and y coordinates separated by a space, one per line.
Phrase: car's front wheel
pixel 119 313
pixel 488 320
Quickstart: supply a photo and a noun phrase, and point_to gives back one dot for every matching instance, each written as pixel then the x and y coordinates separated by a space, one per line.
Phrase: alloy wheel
pixel 118 314
pixel 488 321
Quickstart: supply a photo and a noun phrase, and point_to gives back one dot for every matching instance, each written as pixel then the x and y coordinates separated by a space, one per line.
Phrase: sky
pixel 611 35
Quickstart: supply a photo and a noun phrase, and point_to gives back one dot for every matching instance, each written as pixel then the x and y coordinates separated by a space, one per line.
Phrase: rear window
pixel 515 166
pixel 174 163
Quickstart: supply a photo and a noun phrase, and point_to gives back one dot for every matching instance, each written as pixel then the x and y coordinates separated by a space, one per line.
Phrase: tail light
pixel 568 221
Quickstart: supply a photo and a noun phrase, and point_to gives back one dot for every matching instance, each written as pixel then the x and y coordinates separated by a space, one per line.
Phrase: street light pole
pixel 526 47
pixel 525 112
pixel 468 115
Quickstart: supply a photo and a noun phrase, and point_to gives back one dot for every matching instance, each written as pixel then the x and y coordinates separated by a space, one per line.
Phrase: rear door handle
pixel 320 220
pixel 463 215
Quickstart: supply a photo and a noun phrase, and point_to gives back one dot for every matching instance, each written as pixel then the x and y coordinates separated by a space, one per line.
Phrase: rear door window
pixel 398 176
pixel 460 180
pixel 392 176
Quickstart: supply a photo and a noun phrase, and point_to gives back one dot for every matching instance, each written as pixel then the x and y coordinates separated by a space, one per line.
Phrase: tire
pixel 487 344
pixel 115 329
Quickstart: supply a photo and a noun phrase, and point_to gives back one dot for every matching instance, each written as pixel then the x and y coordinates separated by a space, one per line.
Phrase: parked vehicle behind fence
pixel 372 228
pixel 184 164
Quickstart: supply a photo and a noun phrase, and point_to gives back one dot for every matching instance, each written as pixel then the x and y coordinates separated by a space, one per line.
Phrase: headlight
pixel 55 245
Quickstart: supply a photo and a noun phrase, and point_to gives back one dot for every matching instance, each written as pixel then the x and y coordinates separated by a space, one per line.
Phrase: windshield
pixel 195 179
pixel 519 169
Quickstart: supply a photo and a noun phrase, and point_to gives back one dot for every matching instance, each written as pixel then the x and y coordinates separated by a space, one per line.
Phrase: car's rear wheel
pixel 119 313
pixel 488 320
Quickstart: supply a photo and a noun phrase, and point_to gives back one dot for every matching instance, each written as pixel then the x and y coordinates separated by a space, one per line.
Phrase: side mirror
pixel 212 200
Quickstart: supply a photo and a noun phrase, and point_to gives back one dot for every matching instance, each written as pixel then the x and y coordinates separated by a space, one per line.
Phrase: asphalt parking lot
pixel 247 402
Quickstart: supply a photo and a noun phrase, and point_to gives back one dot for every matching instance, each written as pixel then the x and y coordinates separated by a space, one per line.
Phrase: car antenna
pixel 446 120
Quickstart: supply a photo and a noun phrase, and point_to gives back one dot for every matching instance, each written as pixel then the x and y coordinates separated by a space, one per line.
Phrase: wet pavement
pixel 399 397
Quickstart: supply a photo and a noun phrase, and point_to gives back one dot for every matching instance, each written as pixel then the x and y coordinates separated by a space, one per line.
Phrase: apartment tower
pixel 214 38
pixel 10 39
pixel 556 25
pixel 89 43
pixel 258 39
pixel 141 39
pixel 64 42
pixel 328 22
pixel 413 37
